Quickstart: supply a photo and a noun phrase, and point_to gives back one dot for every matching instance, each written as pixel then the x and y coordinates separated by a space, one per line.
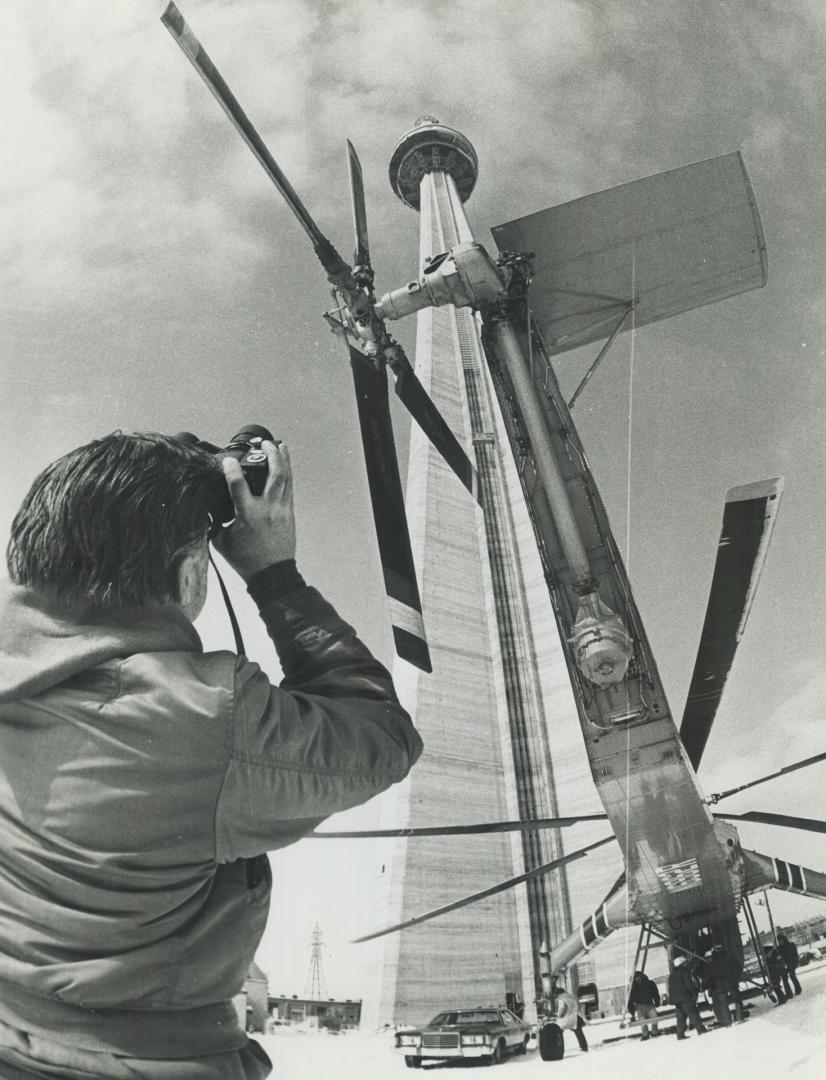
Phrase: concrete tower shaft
pixel 483 711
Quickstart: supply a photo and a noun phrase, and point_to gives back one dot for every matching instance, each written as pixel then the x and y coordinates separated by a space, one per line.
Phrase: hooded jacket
pixel 141 781
pixel 644 991
pixel 681 986
pixel 722 972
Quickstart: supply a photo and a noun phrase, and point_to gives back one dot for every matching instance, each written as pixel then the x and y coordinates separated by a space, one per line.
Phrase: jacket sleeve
pixel 330 737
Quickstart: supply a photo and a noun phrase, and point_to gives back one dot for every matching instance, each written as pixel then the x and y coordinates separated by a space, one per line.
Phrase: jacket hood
pixel 43 643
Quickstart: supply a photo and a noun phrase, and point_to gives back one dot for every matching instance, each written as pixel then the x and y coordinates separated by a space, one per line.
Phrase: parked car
pixel 488 1033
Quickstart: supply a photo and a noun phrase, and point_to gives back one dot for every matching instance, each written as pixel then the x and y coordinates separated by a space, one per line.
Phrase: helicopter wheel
pixel 551 1044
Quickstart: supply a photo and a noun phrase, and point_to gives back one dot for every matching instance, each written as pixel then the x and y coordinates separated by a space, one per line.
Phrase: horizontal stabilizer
pixel 670 242
pixel 748 520
pixel 765 872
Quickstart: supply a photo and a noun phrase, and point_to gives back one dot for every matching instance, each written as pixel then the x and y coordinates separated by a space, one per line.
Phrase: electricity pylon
pixel 316 983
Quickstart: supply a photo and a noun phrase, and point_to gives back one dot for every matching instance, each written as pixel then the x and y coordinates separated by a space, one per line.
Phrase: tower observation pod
pixel 499 674
pixel 432 147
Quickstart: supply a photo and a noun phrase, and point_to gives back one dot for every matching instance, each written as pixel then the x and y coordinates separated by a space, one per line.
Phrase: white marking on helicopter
pixel 677 877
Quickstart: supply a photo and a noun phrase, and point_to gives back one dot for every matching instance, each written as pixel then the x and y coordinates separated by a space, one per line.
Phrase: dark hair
pixel 110 522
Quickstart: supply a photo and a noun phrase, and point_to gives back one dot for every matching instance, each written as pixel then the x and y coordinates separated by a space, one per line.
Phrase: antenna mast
pixel 315 989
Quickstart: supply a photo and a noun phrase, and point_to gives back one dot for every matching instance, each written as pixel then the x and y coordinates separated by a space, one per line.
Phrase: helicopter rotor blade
pixel 748 520
pixel 389 514
pixel 180 30
pixel 409 389
pixel 361 252
pixel 502 886
pixel 421 407
pixel 803 764
pixel 786 821
pixel 463 830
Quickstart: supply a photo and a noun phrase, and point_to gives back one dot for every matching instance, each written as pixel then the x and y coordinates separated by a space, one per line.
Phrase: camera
pixel 245 447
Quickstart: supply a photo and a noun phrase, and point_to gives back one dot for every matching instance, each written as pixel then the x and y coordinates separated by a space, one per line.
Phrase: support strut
pixel 601 354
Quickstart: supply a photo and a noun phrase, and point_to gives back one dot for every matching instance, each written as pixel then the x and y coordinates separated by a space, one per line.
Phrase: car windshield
pixel 471 1016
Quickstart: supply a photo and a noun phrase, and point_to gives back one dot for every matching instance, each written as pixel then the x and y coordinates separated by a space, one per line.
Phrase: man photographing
pixel 143 780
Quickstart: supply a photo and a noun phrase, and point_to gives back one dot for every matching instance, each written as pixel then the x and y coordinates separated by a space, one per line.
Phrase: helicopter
pixel 666 244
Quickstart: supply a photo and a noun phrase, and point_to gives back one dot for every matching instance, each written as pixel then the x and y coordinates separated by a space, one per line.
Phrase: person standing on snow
pixel 643 1001
pixel 723 980
pixel 682 993
pixel 791 958
pixel 567 1015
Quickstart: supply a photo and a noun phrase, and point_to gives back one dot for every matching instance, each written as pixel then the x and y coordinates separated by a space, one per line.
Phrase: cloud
pixel 107 170
pixel 761 743
pixel 109 134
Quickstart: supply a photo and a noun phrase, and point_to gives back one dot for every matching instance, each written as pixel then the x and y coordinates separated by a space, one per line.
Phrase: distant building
pixel 330 1014
pixel 251 1003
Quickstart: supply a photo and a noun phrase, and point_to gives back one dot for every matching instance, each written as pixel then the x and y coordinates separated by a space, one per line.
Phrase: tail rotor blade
pixel 748 520
pixel 804 764
pixel 388 511
pixel 180 30
pixel 502 886
pixel 361 252
pixel 786 821
pixel 420 405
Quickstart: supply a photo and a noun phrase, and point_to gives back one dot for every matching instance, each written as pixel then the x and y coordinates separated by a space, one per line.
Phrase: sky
pixel 152 279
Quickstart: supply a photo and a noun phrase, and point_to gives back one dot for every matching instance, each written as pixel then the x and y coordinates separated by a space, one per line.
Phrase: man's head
pixel 120 522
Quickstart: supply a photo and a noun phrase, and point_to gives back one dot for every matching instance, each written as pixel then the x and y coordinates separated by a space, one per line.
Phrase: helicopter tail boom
pixel 609 916
pixel 767 872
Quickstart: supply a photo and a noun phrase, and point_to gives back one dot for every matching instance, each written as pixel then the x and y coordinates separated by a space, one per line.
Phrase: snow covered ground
pixel 776 1041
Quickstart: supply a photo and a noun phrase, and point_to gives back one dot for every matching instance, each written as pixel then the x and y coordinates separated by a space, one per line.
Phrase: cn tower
pixel 497 665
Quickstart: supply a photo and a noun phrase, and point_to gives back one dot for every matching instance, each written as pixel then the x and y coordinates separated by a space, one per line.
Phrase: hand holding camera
pixel 263 531
pixel 252 513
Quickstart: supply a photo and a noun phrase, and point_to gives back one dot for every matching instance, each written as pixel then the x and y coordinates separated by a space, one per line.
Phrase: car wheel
pixel 522 1048
pixel 412 1062
pixel 551 1046
pixel 498 1053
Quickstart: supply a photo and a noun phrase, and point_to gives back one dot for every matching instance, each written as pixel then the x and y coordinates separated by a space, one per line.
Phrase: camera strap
pixel 236 629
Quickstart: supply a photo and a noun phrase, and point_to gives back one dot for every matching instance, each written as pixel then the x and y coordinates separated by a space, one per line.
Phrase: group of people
pixel 720 978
